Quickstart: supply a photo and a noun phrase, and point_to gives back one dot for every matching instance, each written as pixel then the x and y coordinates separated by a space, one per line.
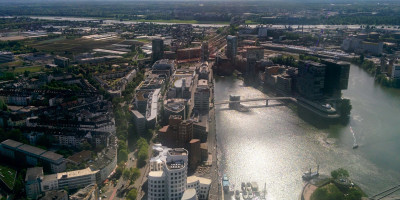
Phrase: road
pixel 111 192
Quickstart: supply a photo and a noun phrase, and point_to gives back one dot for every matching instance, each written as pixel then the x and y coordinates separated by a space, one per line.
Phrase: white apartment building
pixel 168 179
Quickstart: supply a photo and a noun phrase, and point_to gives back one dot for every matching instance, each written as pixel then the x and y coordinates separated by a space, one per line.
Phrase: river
pixel 273 145
pixel 278 26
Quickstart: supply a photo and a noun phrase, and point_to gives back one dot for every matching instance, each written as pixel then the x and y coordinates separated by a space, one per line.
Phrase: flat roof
pixel 31 149
pixel 50 177
pixel 189 194
pixel 156 174
pixel 194 141
pixel 202 82
pixel 33 173
pixel 52 156
pixel 137 114
pixel 204 181
pixel 11 143
pixel 76 173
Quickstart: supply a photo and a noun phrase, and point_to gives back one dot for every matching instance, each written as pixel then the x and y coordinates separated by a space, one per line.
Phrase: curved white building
pixel 168 179
pixel 157 187
pixel 190 194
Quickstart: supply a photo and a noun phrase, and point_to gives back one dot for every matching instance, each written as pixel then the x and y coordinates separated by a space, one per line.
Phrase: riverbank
pixel 374 70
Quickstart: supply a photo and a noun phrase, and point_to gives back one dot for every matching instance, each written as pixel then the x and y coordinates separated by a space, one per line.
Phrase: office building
pixel 61 61
pixel 311 80
pixel 336 77
pixel 168 176
pixel 33 179
pixel 194 153
pixel 204 51
pixel 174 173
pixel 201 185
pixel 157 49
pixel 140 122
pixel 262 32
pixel 174 107
pixel 6 56
pixel 395 71
pixel 231 48
pixel 185 132
pixel 202 96
pixel 163 67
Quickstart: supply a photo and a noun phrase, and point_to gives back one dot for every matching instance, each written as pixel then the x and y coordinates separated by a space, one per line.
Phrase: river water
pixel 273 145
pixel 110 21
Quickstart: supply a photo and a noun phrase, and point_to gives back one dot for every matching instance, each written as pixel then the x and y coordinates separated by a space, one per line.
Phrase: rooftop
pixel 31 149
pixel 194 141
pixel 203 82
pixel 11 143
pixel 76 173
pixel 189 194
pixel 33 173
pixel 175 165
pixel 55 195
pixel 80 156
pixel 156 174
pixel 52 156
pixel 178 152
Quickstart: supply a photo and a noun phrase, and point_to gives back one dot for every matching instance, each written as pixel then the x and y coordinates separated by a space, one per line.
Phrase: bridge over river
pixel 236 100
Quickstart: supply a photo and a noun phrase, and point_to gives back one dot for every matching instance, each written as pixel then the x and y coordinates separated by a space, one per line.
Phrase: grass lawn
pixel 250 22
pixel 7 175
pixel 31 69
pixel 16 63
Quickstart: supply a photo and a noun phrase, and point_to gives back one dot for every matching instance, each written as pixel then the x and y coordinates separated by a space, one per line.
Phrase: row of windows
pixel 156 186
pixel 151 190
pixel 157 195
pixel 156 181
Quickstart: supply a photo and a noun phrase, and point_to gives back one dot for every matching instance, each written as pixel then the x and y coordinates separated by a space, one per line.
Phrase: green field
pixel 7 175
pixel 30 69
pixel 250 22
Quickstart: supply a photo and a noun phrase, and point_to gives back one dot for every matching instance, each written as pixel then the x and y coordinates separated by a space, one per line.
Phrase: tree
pixel 132 194
pixel 122 155
pixel 118 171
pixel 3 105
pixel 26 73
pixel 340 173
pixel 126 174
pixel 354 194
pixel 135 174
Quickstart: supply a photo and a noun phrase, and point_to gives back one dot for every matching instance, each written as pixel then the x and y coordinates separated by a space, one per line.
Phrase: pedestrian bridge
pixel 236 99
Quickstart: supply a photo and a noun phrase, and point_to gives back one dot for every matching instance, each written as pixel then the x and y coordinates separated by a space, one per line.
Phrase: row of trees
pixel 16 47
pixel 143 151
pixel 371 68
pixel 336 190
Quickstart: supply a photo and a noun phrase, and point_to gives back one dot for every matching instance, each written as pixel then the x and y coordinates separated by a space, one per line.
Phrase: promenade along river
pixel 273 145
